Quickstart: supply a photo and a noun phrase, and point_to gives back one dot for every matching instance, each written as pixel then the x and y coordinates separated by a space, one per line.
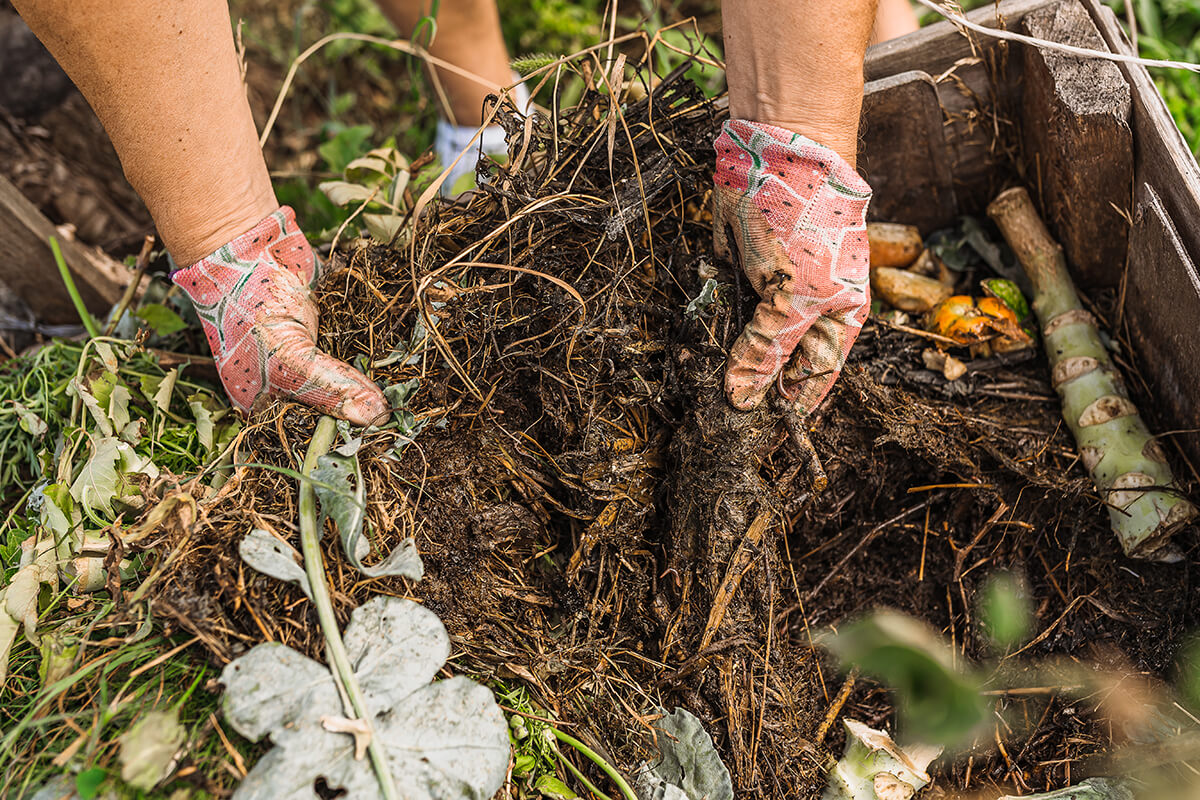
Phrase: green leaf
pixel 161 320
pixel 88 782
pixel 149 747
pixel 345 146
pixel 939 703
pixel 449 738
pixel 1008 293
pixel 524 764
pixel 1004 611
pixel 550 786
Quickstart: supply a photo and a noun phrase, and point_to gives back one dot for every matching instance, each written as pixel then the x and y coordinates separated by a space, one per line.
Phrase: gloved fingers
pixel 818 358
pixel 298 370
pixel 753 244
pixel 765 344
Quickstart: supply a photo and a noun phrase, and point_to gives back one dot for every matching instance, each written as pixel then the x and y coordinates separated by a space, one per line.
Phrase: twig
pixel 314 566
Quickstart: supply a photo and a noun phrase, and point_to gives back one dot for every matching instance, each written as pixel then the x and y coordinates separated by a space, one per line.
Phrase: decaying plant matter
pixel 1126 462
pixel 600 527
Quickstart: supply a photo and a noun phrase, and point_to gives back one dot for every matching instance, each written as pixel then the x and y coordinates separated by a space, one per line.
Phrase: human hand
pixel 797 212
pixel 253 297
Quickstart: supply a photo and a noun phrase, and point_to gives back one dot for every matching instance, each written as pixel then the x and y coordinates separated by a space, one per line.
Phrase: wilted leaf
pixel 383 227
pixel 939 703
pixel 444 741
pixel 118 407
pixel 161 320
pixel 76 388
pixel 700 303
pixel 273 557
pixel 30 422
pixel 102 479
pixel 107 356
pixel 96 486
pixel 164 389
pixel 343 193
pixel 346 505
pixel 148 749
pixel 688 765
pixel 1090 789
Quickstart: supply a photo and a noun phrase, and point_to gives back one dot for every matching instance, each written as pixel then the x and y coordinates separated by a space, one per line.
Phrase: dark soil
pixel 599 525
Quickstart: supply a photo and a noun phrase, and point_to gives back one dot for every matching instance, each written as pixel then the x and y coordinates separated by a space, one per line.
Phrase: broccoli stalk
pixel 874 767
pixel 1126 463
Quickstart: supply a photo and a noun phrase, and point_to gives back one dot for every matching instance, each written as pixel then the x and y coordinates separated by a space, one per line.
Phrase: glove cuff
pixel 754 157
pixel 275 241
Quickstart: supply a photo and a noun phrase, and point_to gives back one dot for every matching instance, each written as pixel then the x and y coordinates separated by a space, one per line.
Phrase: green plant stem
pixel 84 315
pixel 314 566
pixel 608 769
pixel 591 787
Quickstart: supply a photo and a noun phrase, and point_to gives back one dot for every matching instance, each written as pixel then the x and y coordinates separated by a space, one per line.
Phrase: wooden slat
pixel 1161 156
pixel 28 267
pixel 935 48
pixel 1076 124
pixel 903 152
pixel 1161 300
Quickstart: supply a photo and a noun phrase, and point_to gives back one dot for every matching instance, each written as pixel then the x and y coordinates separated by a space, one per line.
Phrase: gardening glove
pixel 254 299
pixel 797 213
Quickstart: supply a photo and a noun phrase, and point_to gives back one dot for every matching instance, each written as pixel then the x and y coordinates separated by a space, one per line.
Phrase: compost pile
pixel 599 525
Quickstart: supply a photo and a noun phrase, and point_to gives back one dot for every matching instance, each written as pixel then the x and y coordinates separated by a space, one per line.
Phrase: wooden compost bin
pixel 949 121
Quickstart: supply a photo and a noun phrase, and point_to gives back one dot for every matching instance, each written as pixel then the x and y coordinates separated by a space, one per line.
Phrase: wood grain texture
pixel 903 152
pixel 1162 298
pixel 28 267
pixel 1078 143
pixel 1161 156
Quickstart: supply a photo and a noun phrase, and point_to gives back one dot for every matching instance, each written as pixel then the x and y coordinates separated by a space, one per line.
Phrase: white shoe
pixel 454 139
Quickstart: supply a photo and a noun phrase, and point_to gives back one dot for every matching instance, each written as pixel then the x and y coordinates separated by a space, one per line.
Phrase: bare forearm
pixel 798 65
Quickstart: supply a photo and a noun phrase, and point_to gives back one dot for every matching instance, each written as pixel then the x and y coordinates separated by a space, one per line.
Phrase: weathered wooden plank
pixel 28 267
pixel 1161 300
pixel 903 153
pixel 935 48
pixel 1078 142
pixel 1161 156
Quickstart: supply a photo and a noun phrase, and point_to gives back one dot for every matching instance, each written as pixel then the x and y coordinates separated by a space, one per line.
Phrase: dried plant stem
pixel 314 566
pixel 1126 463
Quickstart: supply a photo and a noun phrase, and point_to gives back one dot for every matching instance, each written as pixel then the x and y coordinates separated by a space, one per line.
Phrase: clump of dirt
pixel 598 524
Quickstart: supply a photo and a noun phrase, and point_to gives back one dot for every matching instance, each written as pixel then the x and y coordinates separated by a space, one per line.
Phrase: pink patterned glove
pixel 798 215
pixel 253 298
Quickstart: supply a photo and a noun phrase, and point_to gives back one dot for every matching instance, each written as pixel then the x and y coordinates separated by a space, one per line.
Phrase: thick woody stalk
pixel 1126 463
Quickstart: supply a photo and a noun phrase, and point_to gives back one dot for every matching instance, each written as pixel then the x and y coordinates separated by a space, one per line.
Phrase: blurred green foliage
pixel 1004 611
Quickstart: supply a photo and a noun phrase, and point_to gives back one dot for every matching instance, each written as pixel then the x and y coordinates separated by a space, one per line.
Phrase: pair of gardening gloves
pixel 794 211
